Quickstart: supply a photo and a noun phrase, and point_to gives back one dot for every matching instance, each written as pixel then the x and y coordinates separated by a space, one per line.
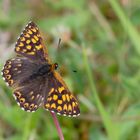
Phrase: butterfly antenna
pixel 58 46
pixel 59 41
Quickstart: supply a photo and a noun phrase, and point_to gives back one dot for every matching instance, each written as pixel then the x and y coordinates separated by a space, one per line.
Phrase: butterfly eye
pixel 55 66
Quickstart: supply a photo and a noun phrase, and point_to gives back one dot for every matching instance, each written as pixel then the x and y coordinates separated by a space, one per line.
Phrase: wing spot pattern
pixel 26 105
pixel 52 89
pixel 24 50
pixel 34 30
pixel 68 98
pixel 19 65
pixel 28 41
pixel 73 104
pixel 11 82
pixel 39 47
pixel 27 35
pixel 22 100
pixel 49 98
pixel 60 89
pixel 33 40
pixel 31 93
pixel 19 71
pixel 47 105
pixel 31 106
pixel 32 97
pixel 29 47
pixel 8 66
pixel 15 69
pixel 20 44
pixel 31 53
pixel 22 38
pixel 30 32
pixel 59 108
pixel 59 101
pixel 36 38
pixel 17 94
pixel 8 77
pixel 69 107
pixel 53 106
pixel 17 49
pixel 55 97
pixel 64 97
pixel 6 71
pixel 65 107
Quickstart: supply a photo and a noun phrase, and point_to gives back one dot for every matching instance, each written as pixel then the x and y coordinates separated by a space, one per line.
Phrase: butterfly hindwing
pixel 30 43
pixel 60 99
pixel 30 96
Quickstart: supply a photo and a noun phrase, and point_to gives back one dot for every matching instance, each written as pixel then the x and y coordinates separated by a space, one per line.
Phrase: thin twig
pixel 6 6
pixel 102 21
pixel 57 126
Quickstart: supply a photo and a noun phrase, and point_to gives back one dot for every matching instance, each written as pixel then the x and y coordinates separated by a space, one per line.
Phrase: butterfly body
pixel 35 81
pixel 45 69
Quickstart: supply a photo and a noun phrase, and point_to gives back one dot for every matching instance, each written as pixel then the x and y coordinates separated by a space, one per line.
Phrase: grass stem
pixel 57 126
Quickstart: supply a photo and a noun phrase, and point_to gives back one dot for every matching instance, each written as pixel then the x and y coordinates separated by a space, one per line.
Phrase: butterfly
pixel 34 79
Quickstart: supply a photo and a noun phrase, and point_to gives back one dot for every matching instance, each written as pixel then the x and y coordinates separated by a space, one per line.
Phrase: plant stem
pixel 57 126
pixel 109 125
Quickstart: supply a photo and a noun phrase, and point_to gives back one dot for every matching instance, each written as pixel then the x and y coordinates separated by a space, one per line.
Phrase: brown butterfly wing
pixel 30 96
pixel 28 89
pixel 16 70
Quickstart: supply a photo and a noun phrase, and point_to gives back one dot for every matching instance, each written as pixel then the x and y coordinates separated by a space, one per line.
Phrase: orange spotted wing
pixel 30 43
pixel 34 79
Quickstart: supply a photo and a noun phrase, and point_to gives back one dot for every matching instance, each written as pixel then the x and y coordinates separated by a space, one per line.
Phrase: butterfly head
pixel 54 66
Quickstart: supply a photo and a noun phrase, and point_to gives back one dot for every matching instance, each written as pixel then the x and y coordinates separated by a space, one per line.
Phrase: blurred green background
pixel 101 41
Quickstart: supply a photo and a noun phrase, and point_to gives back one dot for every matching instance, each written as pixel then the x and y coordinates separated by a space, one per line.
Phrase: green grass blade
pixel 109 125
pixel 127 25
pixel 27 127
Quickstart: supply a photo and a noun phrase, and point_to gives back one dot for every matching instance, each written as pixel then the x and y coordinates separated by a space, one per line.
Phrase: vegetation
pixel 101 42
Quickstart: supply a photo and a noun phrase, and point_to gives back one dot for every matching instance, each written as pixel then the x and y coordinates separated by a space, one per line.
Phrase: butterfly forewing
pixel 30 44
